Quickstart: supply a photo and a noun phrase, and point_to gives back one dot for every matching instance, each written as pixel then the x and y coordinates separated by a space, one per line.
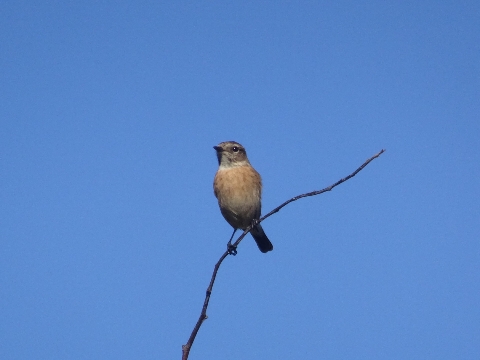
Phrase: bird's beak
pixel 218 148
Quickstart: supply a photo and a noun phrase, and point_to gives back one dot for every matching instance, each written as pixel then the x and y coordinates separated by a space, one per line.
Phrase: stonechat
pixel 238 188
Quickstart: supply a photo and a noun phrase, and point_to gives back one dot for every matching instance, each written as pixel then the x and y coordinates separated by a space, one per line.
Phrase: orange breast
pixel 238 190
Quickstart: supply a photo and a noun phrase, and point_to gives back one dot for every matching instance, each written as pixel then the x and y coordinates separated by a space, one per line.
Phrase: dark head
pixel 231 153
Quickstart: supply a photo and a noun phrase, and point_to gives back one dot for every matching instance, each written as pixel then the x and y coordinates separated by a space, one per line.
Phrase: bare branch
pixel 203 315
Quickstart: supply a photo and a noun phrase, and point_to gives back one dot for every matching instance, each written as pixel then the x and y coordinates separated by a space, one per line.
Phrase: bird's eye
pixel 235 149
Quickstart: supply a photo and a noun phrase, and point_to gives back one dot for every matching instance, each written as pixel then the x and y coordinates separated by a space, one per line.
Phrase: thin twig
pixel 203 315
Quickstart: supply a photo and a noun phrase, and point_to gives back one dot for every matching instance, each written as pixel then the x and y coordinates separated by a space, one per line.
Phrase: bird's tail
pixel 261 239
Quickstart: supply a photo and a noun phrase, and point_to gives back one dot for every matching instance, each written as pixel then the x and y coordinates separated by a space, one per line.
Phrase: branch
pixel 203 315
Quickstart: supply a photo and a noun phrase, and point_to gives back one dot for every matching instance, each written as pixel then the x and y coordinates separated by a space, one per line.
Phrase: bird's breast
pixel 238 190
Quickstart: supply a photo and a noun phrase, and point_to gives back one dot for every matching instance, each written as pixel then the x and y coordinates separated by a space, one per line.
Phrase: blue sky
pixel 109 226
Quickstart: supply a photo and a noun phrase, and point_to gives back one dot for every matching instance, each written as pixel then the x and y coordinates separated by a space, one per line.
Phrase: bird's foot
pixel 232 249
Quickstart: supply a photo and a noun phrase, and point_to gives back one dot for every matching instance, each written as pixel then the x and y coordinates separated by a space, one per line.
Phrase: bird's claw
pixel 232 249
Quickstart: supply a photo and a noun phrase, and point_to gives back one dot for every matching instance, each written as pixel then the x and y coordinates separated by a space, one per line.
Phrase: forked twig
pixel 203 315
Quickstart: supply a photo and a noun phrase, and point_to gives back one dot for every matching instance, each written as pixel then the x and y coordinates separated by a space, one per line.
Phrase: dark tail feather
pixel 261 239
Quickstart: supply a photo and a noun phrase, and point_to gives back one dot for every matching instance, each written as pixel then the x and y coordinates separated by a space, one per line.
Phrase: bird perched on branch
pixel 238 188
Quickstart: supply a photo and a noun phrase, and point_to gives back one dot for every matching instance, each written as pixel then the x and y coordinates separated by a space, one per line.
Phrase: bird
pixel 238 189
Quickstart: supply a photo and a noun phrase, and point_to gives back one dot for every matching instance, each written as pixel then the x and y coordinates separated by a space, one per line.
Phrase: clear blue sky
pixel 109 228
